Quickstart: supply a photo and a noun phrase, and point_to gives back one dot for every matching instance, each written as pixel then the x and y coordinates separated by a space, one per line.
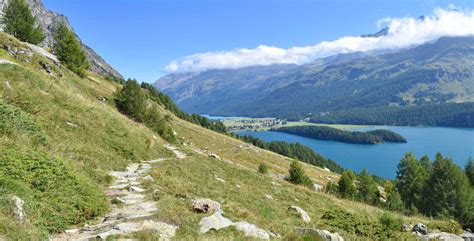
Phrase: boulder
pixel 215 221
pixel 206 205
pixel 420 228
pixel 148 178
pixel 326 235
pixel 304 215
pixel 16 204
pixel 467 236
pixel 250 230
pixel 406 227
pixel 215 156
pixel 441 236
pixel 318 187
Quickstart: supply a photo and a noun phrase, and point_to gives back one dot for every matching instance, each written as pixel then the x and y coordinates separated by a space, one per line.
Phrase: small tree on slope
pixel 20 23
pixel 69 51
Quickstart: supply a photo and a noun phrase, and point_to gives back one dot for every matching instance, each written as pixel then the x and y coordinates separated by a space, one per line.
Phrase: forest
pixel 334 134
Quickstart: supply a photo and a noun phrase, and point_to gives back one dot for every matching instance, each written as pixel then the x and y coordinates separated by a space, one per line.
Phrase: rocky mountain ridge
pixel 48 20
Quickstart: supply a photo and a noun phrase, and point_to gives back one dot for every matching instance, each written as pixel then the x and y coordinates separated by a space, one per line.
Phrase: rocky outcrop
pixel 420 228
pixel 326 235
pixel 441 236
pixel 49 20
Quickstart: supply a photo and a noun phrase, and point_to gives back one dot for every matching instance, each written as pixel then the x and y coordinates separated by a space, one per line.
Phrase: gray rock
pixel 16 205
pixel 304 215
pixel 421 228
pixel 250 230
pixel 318 187
pixel 206 205
pixel 215 156
pixel 326 235
pixel 215 222
pixel 441 236
pixel 467 236
pixel 148 178
pixel 406 227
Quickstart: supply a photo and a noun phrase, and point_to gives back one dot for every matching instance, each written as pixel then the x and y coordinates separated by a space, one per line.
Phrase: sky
pixel 146 39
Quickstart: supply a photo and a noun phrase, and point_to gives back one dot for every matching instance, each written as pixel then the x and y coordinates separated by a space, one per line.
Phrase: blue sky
pixel 140 37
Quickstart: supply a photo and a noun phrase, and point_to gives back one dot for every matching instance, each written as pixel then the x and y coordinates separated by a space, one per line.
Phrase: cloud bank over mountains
pixel 403 32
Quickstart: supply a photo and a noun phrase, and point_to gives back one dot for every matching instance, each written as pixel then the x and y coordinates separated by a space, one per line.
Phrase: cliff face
pixel 48 20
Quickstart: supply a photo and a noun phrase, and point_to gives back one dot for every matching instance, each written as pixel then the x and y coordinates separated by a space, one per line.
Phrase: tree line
pixel 168 103
pixel 334 134
pixel 447 114
pixel 295 151
pixel 436 188
pixel 20 22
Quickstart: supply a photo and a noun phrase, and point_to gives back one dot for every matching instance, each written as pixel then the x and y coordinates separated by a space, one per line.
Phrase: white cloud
pixel 403 32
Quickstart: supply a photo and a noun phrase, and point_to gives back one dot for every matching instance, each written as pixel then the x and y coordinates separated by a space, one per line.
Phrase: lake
pixel 382 159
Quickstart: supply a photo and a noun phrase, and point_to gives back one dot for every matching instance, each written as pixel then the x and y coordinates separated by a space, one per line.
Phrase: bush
pixel 55 195
pixel 297 175
pixel 14 121
pixel 390 224
pixel 263 168
pixel 20 23
pixel 69 51
pixel 339 219
pixel 331 188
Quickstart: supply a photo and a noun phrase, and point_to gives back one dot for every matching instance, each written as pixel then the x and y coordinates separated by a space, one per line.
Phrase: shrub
pixel 69 51
pixel 14 121
pixel 390 224
pixel 339 219
pixel 20 23
pixel 56 196
pixel 331 188
pixel 297 175
pixel 263 168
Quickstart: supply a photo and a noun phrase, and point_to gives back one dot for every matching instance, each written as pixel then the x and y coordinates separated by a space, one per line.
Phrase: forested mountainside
pixel 431 74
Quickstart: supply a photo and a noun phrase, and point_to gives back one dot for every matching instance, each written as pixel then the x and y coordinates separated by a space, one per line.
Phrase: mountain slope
pixel 80 135
pixel 433 73
pixel 48 20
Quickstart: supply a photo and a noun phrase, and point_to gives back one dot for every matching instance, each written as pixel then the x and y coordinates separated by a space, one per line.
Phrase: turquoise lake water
pixel 382 159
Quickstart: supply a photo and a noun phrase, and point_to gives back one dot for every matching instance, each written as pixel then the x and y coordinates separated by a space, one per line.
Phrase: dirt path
pixel 132 210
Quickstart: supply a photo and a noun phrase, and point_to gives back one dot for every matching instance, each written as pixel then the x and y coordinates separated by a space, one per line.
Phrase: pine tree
pixel 367 188
pixel 411 178
pixel 346 188
pixel 470 171
pixel 448 194
pixel 20 23
pixel 297 174
pixel 131 101
pixel 69 51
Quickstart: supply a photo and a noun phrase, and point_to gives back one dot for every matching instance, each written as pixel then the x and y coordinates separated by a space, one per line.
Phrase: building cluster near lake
pixel 252 124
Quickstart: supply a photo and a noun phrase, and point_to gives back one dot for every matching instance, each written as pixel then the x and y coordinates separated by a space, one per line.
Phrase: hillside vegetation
pixel 62 135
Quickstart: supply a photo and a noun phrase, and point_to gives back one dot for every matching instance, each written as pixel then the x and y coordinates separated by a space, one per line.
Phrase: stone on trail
pixel 304 215
pixel 215 221
pixel 120 186
pixel 250 230
pixel 136 189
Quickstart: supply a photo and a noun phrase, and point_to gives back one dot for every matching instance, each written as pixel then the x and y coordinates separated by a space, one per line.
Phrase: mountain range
pixel 434 73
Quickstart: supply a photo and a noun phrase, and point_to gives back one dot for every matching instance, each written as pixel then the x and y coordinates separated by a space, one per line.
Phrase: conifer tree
pixel 346 187
pixel 20 23
pixel 131 101
pixel 367 188
pixel 69 51
pixel 411 178
pixel 470 171
pixel 297 174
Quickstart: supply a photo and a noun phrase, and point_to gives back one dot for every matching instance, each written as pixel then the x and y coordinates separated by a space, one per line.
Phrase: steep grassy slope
pixel 65 139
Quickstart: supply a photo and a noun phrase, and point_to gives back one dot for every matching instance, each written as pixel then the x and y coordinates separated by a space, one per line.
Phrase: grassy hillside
pixel 62 134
